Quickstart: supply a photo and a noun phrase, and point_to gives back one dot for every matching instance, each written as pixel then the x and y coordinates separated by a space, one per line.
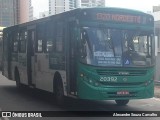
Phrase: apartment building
pixel 14 12
pixel 90 3
pixel 59 6
pixel 156 14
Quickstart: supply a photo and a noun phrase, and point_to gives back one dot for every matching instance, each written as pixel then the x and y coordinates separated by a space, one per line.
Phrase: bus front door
pixel 72 72
pixel 30 57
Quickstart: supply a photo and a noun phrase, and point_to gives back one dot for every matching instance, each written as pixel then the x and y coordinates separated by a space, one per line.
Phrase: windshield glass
pixel 115 47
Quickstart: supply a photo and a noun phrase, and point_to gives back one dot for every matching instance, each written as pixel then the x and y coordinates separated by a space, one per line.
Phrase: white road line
pixel 3 118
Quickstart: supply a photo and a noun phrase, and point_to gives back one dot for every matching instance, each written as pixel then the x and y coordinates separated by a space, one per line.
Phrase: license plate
pixel 123 93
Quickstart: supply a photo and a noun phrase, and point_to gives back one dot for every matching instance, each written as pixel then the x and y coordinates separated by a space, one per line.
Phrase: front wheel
pixel 122 102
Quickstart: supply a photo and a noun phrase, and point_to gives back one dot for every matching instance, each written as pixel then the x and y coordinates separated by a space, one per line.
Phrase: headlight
pixel 89 80
pixel 148 82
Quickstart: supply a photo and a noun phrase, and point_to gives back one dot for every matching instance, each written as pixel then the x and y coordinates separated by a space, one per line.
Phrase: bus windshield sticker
pixel 127 62
pixel 109 60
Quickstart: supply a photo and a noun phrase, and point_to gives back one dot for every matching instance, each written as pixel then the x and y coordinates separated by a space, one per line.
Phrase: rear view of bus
pixel 117 55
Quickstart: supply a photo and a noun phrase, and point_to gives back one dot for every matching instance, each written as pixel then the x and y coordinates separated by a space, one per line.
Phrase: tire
pixel 122 102
pixel 59 93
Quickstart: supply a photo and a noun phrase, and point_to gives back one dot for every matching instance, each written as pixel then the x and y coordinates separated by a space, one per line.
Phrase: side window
pixel 22 41
pixel 40 38
pixel 15 43
pixel 59 37
pixel 49 45
pixel 40 45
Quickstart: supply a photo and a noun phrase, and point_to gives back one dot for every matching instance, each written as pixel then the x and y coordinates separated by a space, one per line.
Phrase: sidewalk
pixel 157 90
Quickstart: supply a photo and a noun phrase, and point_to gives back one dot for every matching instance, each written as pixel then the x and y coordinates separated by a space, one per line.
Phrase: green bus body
pixel 89 74
pixel 139 85
pixel 139 82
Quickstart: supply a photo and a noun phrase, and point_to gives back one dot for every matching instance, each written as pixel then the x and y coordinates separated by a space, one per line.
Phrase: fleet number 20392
pixel 108 79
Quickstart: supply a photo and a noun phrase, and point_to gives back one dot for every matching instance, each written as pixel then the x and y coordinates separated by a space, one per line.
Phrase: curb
pixel 156 82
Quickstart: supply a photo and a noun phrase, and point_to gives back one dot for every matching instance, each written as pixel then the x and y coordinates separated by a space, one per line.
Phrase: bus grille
pixel 122 73
pixel 122 84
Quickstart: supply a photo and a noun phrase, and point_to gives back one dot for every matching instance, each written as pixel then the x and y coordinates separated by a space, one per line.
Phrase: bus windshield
pixel 116 47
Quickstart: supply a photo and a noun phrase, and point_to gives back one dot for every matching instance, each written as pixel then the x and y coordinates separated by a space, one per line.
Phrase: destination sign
pixel 119 18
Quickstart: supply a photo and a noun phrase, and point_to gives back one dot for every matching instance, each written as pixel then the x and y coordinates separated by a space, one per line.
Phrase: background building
pixel 43 14
pixel 59 6
pixel 8 12
pixel 90 3
pixel 25 11
pixel 156 14
pixel 72 4
pixel 13 12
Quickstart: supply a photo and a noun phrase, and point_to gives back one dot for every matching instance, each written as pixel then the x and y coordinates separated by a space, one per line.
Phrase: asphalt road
pixel 12 99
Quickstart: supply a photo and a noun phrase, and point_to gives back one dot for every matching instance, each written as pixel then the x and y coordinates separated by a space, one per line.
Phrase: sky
pixel 142 5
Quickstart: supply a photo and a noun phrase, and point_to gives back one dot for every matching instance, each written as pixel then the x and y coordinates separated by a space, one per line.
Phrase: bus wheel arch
pixel 58 88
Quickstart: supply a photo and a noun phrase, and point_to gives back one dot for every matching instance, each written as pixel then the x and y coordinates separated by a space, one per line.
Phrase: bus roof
pixel 116 9
pixel 79 10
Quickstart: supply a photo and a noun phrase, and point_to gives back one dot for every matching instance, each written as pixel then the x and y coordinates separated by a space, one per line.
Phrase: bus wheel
pixel 59 93
pixel 122 102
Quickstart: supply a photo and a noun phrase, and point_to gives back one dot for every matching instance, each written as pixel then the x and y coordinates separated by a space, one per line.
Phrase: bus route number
pixel 108 79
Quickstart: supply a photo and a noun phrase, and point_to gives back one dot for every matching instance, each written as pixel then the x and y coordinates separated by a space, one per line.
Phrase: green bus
pixel 90 53
pixel 1 34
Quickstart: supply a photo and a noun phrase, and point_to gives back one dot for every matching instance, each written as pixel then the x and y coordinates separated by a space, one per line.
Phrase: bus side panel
pixel 43 76
pixel 6 52
pixel 14 65
pixel 5 70
pixel 22 68
pixel 49 60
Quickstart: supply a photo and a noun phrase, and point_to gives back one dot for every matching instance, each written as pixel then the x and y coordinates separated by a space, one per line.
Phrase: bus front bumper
pixel 87 91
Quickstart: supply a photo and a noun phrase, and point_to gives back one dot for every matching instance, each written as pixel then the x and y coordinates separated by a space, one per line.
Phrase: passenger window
pixel 49 45
pixel 40 38
pixel 59 37
pixel 22 42
pixel 15 46
pixel 15 43
pixel 40 46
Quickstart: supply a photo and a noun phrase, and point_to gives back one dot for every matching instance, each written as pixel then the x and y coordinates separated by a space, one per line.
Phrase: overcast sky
pixel 143 5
